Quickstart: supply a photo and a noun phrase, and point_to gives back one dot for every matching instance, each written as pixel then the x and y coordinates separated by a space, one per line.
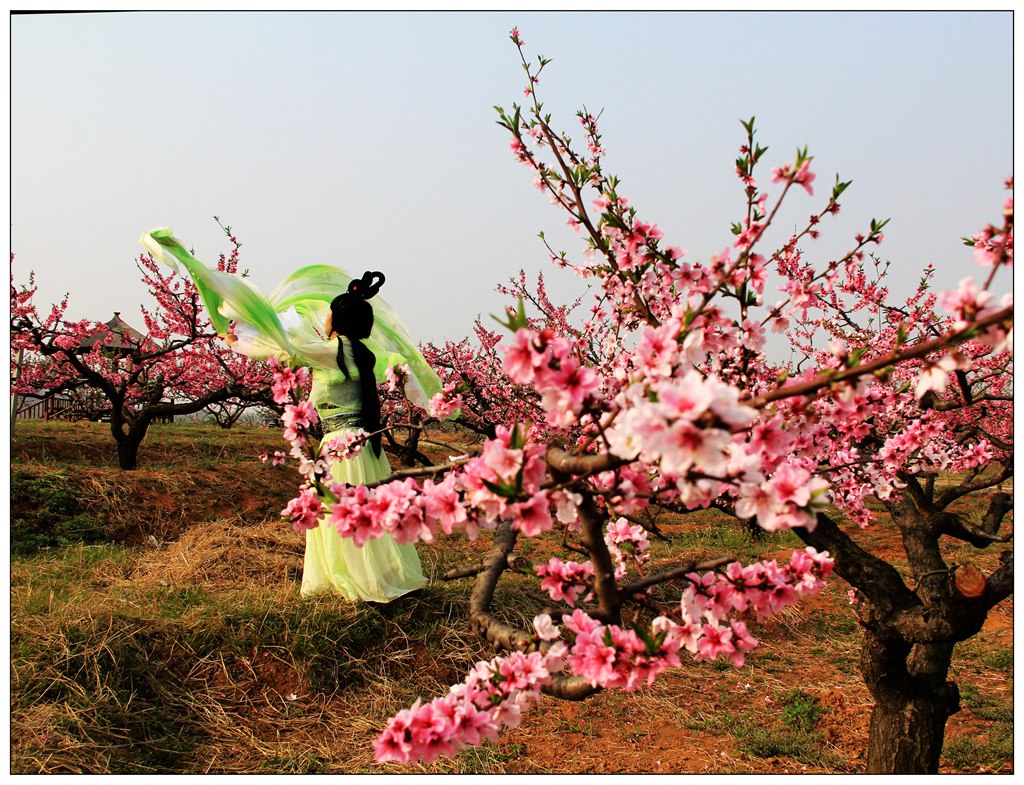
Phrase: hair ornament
pixel 366 287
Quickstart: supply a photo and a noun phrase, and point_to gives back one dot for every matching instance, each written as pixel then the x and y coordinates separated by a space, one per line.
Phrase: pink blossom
pixel 686 398
pixel 347 445
pixel 520 360
pixel 546 630
pixel 502 460
pixel 565 581
pixel 297 418
pixel 714 640
pixel 532 517
pixel 304 510
pixel 627 543
pixel 442 504
pixel 935 376
pixel 789 484
pixel 804 176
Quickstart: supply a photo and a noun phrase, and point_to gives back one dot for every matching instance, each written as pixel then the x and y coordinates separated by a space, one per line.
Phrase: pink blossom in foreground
pixel 297 419
pixel 286 379
pixel 395 377
pixel 565 581
pixel 802 176
pixel 304 510
pixel 493 696
pixel 445 403
pixel 532 517
pixel 347 445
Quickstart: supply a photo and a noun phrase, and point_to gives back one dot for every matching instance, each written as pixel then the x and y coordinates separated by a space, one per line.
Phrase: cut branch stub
pixel 969 581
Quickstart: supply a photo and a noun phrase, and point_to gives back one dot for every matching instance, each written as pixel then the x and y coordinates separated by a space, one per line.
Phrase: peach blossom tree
pixel 179 367
pixel 665 396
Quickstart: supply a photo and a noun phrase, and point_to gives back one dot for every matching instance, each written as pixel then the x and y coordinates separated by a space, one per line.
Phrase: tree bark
pixel 128 434
pixel 906 735
pixel 128 451
pixel 913 700
pixel 412 442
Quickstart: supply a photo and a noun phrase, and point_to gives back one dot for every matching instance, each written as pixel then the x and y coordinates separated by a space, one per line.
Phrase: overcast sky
pixel 367 140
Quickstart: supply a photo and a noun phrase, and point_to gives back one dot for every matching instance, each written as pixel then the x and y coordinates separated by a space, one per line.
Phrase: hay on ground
pixel 225 555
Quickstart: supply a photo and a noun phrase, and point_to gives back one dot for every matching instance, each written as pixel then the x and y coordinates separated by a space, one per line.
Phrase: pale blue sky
pixel 367 140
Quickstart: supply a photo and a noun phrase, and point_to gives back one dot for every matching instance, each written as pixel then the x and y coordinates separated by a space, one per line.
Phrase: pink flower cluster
pixel 565 581
pixel 304 511
pixel 492 697
pixel 396 376
pixel 627 543
pixel 616 658
pixel 967 303
pixel 445 403
pixel 503 482
pixel 348 445
pixel 278 459
pixel 935 375
pixel 801 176
pixel 297 419
pixel 613 657
pixel 790 498
pixel 763 587
pixel 286 380
pixel 495 693
pixel 396 508
pixel 546 362
pixel 991 243
pixel 680 425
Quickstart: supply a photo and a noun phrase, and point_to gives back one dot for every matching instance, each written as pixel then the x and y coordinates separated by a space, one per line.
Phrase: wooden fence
pixel 60 408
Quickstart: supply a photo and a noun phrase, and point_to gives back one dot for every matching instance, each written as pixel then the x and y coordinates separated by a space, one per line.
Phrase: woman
pixel 359 347
pixel 345 398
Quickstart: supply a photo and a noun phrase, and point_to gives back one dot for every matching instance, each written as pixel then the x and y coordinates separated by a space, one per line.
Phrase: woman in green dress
pixel 357 345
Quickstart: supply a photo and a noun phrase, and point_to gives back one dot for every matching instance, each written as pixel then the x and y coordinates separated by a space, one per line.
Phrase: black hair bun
pixel 366 287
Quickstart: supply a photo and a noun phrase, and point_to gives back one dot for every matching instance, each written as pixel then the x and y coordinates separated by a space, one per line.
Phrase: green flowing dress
pixel 284 325
pixel 381 569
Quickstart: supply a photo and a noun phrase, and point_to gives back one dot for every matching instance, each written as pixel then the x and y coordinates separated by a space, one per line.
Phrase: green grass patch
pixel 487 757
pixel 999 658
pixel 800 710
pixel 133 679
pixel 295 762
pixel 986 705
pixel 46 512
pixel 800 745
pixel 992 753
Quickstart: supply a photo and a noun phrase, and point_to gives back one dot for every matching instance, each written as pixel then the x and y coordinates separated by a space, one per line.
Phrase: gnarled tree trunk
pixel 913 700
pixel 128 434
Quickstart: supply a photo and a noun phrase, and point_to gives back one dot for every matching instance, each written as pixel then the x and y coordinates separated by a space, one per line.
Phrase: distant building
pixel 124 338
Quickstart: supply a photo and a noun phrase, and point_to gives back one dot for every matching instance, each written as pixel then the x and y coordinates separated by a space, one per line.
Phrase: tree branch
pixel 878 580
pixel 953 525
pixel 918 350
pixel 670 575
pixel 967 487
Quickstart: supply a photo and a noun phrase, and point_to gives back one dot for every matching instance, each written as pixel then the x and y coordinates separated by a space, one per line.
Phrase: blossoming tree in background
pixel 667 399
pixel 178 368
pixel 477 388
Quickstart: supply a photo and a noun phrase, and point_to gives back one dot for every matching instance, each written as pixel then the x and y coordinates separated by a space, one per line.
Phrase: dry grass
pixel 202 656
